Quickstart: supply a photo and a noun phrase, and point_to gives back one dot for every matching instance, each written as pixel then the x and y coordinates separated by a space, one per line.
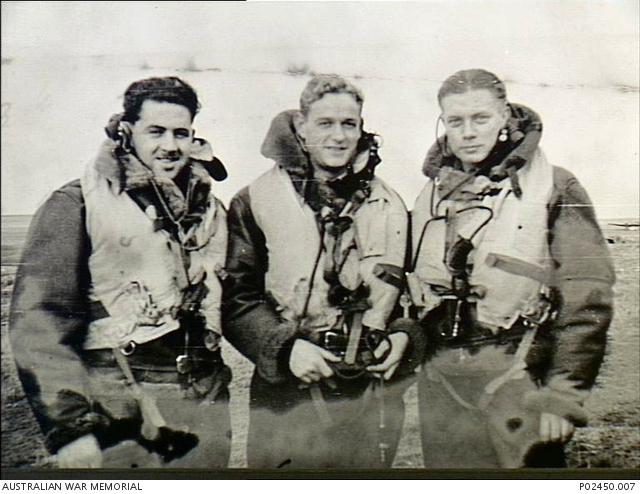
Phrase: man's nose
pixel 169 142
pixel 468 130
pixel 337 133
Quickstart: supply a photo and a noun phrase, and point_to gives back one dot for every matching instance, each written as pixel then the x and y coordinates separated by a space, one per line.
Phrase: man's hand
pixel 308 362
pixel 554 428
pixel 399 342
pixel 84 452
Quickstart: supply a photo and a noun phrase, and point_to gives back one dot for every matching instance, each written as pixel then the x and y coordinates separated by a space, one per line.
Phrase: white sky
pixel 538 47
pixel 602 34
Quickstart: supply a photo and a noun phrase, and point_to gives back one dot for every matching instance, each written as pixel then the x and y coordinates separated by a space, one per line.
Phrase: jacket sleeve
pixel 583 277
pixel 250 324
pixel 385 245
pixel 48 319
pixel 385 311
pixel 214 254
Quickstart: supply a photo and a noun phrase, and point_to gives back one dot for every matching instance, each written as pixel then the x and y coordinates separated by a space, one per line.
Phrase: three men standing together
pixel 130 276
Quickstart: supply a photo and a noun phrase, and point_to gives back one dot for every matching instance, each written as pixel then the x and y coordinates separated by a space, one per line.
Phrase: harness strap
pixel 518 267
pixel 516 371
pixel 152 419
pixel 451 229
pixel 354 339
pixel 436 376
pixel 320 405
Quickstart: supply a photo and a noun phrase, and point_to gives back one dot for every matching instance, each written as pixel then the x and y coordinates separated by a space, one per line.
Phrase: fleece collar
pixel 127 174
pixel 125 170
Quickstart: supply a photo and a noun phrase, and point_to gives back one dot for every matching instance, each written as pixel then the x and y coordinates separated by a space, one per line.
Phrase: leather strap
pixel 152 419
pixel 354 339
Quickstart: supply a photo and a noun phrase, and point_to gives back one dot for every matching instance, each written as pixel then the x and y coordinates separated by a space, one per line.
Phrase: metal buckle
pixel 128 349
pixel 536 319
pixel 330 341
pixel 183 364
pixel 325 339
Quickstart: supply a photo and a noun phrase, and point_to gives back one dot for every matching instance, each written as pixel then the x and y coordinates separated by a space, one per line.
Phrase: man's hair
pixel 323 84
pixel 467 80
pixel 163 89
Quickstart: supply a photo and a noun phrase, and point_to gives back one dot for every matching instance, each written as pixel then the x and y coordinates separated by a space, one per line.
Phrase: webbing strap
pixel 438 377
pixel 320 405
pixel 152 419
pixel 519 267
pixel 125 368
pixel 354 339
pixel 516 371
pixel 451 229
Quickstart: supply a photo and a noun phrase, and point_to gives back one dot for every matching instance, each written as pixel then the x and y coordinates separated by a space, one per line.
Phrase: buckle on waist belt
pixel 184 364
pixel 337 342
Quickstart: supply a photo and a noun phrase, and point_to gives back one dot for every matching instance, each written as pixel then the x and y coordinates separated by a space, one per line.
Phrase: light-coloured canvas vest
pixel 378 233
pixel 135 271
pixel 515 240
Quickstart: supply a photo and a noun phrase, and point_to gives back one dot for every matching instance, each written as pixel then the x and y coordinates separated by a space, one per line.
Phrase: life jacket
pixel 510 257
pixel 137 276
pixel 377 235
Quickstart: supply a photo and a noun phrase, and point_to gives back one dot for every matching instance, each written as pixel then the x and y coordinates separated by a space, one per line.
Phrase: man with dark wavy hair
pixel 115 318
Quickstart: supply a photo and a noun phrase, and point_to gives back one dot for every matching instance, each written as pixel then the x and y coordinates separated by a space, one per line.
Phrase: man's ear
pixel 299 124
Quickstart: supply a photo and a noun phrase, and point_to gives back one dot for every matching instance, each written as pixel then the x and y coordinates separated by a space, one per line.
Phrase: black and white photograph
pixel 301 236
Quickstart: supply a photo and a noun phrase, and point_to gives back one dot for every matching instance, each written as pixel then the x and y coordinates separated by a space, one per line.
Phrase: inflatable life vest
pixel 377 235
pixel 510 257
pixel 136 272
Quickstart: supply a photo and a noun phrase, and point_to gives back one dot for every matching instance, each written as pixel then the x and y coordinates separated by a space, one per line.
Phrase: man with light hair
pixel 316 249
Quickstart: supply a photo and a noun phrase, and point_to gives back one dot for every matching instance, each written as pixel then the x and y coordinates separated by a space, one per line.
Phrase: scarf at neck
pixel 179 203
pixel 283 145
pixel 129 175
pixel 524 130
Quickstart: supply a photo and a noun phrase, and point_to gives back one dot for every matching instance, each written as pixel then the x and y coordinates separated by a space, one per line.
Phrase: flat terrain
pixel 611 440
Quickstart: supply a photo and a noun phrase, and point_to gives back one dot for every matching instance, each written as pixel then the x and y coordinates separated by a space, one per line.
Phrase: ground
pixel 611 440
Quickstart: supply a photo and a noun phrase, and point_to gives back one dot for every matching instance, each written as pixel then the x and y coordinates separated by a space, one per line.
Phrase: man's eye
pixel 481 119
pixel 156 132
pixel 182 135
pixel 349 125
pixel 324 124
pixel 454 122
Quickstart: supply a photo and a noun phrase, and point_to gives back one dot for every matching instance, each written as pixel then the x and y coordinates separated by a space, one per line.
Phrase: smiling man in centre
pixel 315 258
